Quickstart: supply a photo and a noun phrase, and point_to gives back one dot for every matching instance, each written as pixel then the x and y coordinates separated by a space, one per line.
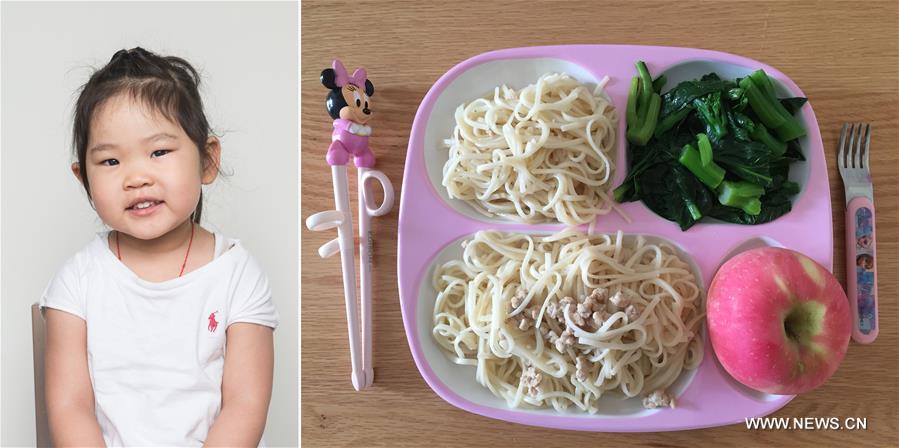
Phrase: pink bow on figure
pixel 341 78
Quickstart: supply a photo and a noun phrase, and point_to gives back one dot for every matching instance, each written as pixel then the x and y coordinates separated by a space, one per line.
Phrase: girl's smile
pixel 144 206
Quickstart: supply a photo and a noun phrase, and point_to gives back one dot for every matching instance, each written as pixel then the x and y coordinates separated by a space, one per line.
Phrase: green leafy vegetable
pixel 792 105
pixel 657 152
pixel 682 95
pixel 675 194
pixel 750 161
pixel 740 125
pixel 746 139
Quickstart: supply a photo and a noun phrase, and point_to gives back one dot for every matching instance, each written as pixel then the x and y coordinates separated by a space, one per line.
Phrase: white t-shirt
pixel 156 351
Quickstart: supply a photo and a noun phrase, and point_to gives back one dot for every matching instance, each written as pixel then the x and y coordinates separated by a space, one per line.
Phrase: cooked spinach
pixel 792 105
pixel 675 194
pixel 683 94
pixel 740 125
pixel 683 184
pixel 750 161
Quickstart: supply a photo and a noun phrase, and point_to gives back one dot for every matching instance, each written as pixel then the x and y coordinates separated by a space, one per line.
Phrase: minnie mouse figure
pixel 349 104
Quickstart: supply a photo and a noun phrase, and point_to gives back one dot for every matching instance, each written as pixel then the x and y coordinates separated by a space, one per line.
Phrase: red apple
pixel 779 322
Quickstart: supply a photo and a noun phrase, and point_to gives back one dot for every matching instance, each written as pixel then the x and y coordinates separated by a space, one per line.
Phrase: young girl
pixel 158 331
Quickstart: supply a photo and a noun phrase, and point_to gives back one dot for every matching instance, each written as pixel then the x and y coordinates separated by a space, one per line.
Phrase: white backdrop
pixel 247 54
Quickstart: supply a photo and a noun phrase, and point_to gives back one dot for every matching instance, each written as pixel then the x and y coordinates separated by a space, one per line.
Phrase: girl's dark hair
pixel 167 84
pixel 334 101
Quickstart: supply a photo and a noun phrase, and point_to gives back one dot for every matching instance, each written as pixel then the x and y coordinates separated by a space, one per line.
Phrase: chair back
pixel 38 338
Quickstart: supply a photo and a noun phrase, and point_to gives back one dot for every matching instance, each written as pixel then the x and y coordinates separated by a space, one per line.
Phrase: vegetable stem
pixel 791 129
pixel 759 91
pixel 695 213
pixel 741 188
pixel 761 135
pixel 705 149
pixel 742 195
pixel 643 106
pixel 641 135
pixel 761 79
pixel 623 192
pixel 646 83
pixel 671 120
pixel 761 105
pixel 711 175
pixel 632 100
pixel 659 83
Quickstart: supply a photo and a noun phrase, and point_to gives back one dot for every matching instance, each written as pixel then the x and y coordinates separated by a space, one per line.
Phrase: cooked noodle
pixel 539 154
pixel 644 332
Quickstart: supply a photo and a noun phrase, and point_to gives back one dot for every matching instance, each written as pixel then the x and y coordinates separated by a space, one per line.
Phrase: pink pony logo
pixel 213 324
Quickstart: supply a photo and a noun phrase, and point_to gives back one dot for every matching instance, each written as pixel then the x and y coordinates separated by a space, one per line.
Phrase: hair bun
pixel 119 55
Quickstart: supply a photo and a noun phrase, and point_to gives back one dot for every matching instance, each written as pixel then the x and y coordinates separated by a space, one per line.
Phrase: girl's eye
pixel 358 99
pixel 160 152
pixel 109 162
pixel 366 104
pixel 358 103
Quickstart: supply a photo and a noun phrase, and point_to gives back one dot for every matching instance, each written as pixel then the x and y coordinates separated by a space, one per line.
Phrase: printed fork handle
pixel 861 269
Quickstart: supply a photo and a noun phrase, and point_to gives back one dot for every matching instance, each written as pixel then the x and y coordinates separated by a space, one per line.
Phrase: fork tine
pixel 850 146
pixel 857 154
pixel 841 155
pixel 867 146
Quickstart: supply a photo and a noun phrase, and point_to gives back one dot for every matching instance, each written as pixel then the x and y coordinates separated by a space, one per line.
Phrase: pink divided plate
pixel 431 227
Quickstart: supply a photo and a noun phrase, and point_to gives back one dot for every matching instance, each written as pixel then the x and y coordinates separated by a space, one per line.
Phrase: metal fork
pixel 861 267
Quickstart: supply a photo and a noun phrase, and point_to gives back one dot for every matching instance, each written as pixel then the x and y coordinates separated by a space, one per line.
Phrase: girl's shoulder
pixel 230 259
pixel 237 255
pixel 89 257
pixel 66 289
pixel 223 244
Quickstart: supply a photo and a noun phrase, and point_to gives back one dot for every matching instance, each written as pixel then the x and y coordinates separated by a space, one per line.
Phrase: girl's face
pixel 358 108
pixel 143 170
